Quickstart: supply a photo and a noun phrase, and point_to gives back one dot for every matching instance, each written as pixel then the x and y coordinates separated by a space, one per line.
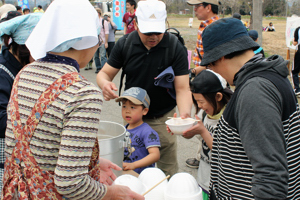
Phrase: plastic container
pixel 183 186
pixel 132 182
pixel 150 177
pixel 178 125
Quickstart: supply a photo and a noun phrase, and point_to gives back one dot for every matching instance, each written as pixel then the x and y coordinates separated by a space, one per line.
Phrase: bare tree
pixel 274 7
pixel 234 5
pixel 295 9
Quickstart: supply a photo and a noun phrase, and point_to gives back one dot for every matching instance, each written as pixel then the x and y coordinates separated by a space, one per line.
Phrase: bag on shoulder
pixel 175 32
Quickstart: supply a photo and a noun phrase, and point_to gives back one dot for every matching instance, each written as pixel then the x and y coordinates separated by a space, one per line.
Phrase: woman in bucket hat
pixel 256 150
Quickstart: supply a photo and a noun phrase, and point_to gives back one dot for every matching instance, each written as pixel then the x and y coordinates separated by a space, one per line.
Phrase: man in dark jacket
pixel 256 148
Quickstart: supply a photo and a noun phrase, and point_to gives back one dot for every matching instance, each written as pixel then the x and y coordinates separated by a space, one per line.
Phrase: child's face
pixel 132 113
pixel 204 104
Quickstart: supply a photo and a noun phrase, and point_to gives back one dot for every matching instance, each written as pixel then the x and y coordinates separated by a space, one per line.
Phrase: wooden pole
pixel 257 19
pixel 156 185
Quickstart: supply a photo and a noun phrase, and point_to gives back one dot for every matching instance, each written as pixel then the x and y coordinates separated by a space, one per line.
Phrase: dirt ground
pixel 273 42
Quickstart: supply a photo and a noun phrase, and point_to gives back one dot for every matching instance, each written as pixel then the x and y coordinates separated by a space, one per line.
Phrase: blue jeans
pixel 100 57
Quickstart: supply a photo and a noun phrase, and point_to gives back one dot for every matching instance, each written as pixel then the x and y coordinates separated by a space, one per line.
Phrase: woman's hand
pixel 120 192
pixel 106 174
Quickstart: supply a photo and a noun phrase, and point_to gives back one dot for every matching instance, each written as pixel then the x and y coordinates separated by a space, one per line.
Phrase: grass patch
pixel 267 54
pixel 173 15
pixel 273 42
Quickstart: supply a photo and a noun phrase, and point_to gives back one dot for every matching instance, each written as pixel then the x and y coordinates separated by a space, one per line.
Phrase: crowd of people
pixel 49 114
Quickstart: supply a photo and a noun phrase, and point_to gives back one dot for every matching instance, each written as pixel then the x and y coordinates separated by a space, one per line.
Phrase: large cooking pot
pixel 112 138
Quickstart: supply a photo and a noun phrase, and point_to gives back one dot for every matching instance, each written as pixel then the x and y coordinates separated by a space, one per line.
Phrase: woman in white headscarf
pixel 53 115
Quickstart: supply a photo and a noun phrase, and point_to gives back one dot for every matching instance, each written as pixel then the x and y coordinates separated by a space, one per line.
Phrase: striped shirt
pixel 66 134
pixel 199 44
pixel 231 170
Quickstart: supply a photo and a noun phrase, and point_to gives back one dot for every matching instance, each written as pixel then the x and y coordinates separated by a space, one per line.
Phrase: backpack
pixel 127 48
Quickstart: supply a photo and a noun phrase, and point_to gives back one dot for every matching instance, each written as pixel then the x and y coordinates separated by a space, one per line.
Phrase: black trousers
pixel 296 68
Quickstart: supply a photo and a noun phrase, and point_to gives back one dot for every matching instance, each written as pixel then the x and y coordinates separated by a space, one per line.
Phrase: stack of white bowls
pixel 183 186
pixel 132 182
pixel 150 177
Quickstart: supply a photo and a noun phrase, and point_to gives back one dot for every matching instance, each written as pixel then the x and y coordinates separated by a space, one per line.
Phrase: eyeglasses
pixel 199 5
pixel 152 33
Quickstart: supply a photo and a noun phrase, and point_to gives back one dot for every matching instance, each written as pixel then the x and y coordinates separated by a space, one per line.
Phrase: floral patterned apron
pixel 31 182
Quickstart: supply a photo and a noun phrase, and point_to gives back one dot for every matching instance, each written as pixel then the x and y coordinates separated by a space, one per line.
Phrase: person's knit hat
pixel 10 15
pixel 237 16
pixel 208 81
pixel 253 34
pixel 136 95
pixel 151 16
pixel 223 37
pixel 195 2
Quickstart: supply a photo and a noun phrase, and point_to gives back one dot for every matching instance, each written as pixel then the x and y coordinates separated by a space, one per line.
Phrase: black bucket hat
pixel 208 81
pixel 224 37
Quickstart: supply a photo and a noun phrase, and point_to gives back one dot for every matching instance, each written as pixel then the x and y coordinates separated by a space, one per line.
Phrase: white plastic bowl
pixel 132 182
pixel 183 186
pixel 150 177
pixel 178 125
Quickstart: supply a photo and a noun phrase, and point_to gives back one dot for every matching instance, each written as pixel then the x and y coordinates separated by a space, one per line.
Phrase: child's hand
pixel 196 129
pixel 128 166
